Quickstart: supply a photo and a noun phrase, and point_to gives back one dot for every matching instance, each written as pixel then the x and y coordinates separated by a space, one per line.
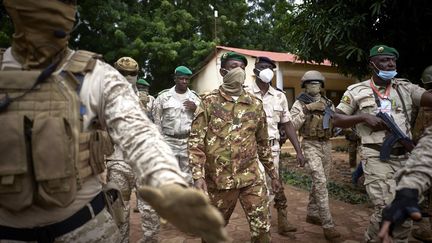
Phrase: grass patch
pixel 336 190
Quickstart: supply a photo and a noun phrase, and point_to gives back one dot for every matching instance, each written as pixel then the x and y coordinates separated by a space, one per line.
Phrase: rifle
pixel 328 114
pixel 396 135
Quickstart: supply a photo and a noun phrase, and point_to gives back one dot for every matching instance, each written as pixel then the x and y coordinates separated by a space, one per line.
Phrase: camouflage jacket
pixel 226 140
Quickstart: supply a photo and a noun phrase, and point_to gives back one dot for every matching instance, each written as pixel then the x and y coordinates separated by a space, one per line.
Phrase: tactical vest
pixel 44 154
pixel 313 125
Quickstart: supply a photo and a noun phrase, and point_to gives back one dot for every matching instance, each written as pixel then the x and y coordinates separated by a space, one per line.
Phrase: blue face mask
pixel 386 75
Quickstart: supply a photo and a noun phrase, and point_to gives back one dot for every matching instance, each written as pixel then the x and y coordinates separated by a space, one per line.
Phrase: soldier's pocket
pixel 53 161
pixel 16 187
pixel 367 105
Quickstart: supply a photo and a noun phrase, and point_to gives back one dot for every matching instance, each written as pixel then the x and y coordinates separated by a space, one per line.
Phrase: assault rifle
pixel 396 135
pixel 328 114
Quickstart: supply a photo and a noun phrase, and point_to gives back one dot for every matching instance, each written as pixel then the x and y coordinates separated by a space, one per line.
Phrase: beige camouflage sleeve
pixel 263 146
pixel 297 115
pixel 197 156
pixel 157 113
pixel 417 173
pixel 137 136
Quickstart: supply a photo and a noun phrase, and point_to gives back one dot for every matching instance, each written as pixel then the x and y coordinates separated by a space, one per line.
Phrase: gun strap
pixel 403 104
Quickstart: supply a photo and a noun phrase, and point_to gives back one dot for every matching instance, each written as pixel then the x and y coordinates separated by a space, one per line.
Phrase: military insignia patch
pixel 346 100
pixel 380 49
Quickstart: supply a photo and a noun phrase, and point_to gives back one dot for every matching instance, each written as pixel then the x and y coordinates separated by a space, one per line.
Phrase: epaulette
pixel 163 91
pixel 281 90
pixel 402 80
pixel 195 93
pixel 353 86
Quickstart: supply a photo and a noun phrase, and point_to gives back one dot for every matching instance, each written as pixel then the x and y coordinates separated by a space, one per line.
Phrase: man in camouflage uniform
pixel 277 114
pixel 228 136
pixel 308 116
pixel 105 99
pixel 121 172
pixel 173 111
pixel 146 99
pixel 424 120
pixel 359 106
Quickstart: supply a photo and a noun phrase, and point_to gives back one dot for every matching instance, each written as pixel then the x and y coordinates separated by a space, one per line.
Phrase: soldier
pixel 308 116
pixel 424 120
pixel 146 99
pixel 277 114
pixel 228 136
pixel 52 98
pixel 173 111
pixel 121 172
pixel 359 106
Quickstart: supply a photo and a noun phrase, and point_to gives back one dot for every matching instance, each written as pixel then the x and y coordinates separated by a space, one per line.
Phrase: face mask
pixel 386 75
pixel 131 79
pixel 266 75
pixel 313 88
pixel 233 81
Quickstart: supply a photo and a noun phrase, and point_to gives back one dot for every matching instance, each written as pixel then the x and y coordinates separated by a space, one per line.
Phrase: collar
pixel 256 89
pixel 245 97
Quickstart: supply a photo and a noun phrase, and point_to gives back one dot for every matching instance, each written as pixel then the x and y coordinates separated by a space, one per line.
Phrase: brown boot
pixel 423 232
pixel 284 227
pixel 331 233
pixel 313 220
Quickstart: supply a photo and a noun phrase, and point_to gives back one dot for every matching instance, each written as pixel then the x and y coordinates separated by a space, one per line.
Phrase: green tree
pixel 343 31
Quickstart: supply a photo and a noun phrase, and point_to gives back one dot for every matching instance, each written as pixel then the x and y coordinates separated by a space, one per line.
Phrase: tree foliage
pixel 343 31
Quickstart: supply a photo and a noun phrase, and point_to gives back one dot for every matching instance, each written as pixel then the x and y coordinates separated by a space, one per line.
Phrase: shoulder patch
pixel 346 99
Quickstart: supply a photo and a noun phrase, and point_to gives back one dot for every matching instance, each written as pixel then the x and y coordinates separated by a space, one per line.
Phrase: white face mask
pixel 131 79
pixel 266 75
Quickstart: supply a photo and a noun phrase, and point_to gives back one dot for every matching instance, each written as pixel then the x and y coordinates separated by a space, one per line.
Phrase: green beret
pixel 383 50
pixel 233 56
pixel 182 71
pixel 143 82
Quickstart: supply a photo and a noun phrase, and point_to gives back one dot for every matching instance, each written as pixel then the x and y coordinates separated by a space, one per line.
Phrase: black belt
pixel 398 151
pixel 178 136
pixel 48 233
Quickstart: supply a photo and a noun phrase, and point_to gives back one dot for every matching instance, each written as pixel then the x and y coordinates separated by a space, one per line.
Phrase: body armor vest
pixel 44 153
pixel 313 125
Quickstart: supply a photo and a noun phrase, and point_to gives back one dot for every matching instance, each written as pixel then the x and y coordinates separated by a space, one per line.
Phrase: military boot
pixel 284 227
pixel 262 238
pixel 423 232
pixel 331 233
pixel 313 220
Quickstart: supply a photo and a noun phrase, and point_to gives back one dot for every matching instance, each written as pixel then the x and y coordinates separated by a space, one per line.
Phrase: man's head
pixel 264 69
pixel 233 73
pixel 426 78
pixel 182 76
pixel 42 30
pixel 232 60
pixel 143 85
pixel 312 81
pixel 382 60
pixel 128 67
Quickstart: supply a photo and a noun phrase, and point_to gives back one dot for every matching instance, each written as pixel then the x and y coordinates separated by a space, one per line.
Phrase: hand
pixel 176 203
pixel 316 106
pixel 403 206
pixel 375 123
pixel 283 137
pixel 189 105
pixel 276 186
pixel 300 160
pixel 200 184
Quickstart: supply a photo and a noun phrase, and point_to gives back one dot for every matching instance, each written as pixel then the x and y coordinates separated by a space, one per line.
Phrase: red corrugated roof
pixel 275 56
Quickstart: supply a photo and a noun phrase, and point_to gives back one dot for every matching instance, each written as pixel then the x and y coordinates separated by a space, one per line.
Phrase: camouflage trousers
pixel 179 148
pixel 381 188
pixel 279 198
pixel 101 228
pixel 254 201
pixel 121 173
pixel 318 165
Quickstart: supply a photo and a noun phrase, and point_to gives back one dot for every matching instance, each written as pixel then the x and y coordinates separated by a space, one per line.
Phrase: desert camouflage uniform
pixel 109 100
pixel 146 101
pixel 227 138
pixel 317 151
pixel 174 122
pixel 276 108
pixel 379 176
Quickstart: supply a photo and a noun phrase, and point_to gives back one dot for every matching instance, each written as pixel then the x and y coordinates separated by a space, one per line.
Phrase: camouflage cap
pixel 265 60
pixel 143 82
pixel 126 64
pixel 383 50
pixel 233 56
pixel 182 71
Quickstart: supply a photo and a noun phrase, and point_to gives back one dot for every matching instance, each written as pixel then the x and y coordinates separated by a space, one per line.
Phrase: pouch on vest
pixel 53 161
pixel 16 186
pixel 115 203
pixel 100 145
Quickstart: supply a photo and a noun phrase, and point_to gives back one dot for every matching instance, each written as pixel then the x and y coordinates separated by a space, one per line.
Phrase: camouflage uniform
pixel 108 99
pixel 174 122
pixel 276 108
pixel 227 138
pixel 317 150
pixel 379 176
pixel 147 102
